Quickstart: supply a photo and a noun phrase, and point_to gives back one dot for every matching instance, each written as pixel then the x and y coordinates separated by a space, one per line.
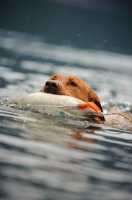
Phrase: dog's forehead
pixel 57 76
pixel 77 80
pixel 67 78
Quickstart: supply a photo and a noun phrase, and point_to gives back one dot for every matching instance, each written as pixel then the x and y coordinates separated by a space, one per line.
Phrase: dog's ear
pixel 92 97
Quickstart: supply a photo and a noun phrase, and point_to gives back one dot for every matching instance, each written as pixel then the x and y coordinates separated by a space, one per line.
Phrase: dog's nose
pixel 51 85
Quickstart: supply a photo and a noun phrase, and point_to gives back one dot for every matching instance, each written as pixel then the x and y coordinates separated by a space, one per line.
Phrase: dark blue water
pixel 43 157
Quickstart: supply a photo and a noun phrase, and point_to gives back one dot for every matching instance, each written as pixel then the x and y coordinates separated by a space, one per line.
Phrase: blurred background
pixel 87 24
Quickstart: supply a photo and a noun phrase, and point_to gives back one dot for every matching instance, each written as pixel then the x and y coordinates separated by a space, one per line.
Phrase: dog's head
pixel 71 86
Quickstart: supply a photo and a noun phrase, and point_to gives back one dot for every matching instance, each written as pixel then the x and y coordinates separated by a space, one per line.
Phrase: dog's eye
pixel 52 78
pixel 72 83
